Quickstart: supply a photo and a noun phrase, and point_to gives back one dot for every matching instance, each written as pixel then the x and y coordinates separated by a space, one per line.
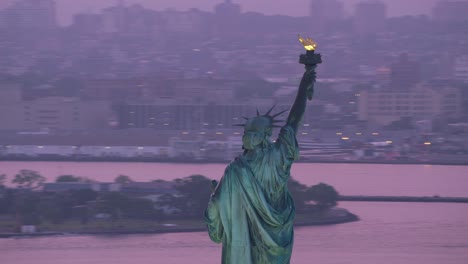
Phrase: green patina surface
pixel 251 211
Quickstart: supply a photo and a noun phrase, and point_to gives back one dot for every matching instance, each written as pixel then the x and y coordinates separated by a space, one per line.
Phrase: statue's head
pixel 258 130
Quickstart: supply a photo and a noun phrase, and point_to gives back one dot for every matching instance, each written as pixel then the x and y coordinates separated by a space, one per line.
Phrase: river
pixel 388 233
pixel 348 179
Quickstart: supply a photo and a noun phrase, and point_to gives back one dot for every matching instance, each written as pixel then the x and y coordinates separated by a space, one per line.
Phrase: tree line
pixel 188 200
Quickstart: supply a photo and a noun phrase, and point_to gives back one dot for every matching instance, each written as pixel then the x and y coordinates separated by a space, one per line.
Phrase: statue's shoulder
pixel 237 163
pixel 234 163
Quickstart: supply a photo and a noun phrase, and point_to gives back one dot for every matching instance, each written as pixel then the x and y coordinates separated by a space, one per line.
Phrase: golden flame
pixel 309 44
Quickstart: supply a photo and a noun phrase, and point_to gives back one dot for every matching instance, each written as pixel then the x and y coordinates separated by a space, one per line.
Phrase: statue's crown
pixel 263 123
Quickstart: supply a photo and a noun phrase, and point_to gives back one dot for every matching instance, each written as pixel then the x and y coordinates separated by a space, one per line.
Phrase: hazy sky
pixel 287 7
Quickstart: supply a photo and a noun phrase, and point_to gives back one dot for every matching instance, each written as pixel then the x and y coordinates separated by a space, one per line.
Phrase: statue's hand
pixel 310 74
pixel 309 80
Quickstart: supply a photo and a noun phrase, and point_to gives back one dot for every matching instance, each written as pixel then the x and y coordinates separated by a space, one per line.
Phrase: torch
pixel 310 60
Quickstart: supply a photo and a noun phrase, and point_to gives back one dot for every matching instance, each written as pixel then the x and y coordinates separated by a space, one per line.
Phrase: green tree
pixel 171 203
pixel 6 202
pixel 58 207
pixel 324 195
pixel 26 205
pixel 112 203
pixel 28 179
pixel 299 193
pixel 81 197
pixel 119 206
pixel 55 208
pixel 122 179
pixel 140 208
pixel 193 193
pixel 68 178
pixel 2 179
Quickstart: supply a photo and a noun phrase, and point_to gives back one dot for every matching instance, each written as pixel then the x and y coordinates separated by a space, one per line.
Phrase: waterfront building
pixel 171 114
pixel 420 103
pixel 54 114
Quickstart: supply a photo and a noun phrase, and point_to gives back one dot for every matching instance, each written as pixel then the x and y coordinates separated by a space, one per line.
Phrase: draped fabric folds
pixel 251 211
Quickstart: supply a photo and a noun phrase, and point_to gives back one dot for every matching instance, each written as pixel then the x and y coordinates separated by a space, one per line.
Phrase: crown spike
pixel 269 111
pixel 258 113
pixel 246 118
pixel 277 114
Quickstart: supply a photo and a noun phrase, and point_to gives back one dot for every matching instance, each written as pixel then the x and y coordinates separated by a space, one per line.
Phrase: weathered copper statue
pixel 251 210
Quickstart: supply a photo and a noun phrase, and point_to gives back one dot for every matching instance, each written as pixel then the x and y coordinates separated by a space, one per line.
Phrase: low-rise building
pixel 54 113
pixel 420 103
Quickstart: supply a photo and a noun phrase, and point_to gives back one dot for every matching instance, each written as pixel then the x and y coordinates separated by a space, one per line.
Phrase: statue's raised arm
pixel 251 210
pixel 306 87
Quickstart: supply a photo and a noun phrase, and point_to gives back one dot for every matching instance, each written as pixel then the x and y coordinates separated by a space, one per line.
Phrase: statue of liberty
pixel 251 211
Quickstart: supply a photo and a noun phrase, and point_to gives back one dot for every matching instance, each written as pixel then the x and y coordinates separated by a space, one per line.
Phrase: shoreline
pixel 407 199
pixel 192 161
pixel 328 220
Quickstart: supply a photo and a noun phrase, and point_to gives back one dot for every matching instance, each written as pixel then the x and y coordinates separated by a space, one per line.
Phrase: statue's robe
pixel 251 211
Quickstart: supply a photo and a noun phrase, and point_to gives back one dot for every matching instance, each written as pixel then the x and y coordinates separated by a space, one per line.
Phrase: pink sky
pixel 287 7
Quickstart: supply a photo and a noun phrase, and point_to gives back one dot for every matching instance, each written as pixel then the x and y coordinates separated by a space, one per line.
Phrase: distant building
pixel 175 116
pixel 88 24
pixel 192 22
pixel 461 68
pixel 113 89
pixel 323 12
pixel 228 9
pixel 450 11
pixel 54 114
pixel 383 75
pixel 171 114
pixel 37 15
pixel 3 20
pixel 10 112
pixel 405 73
pixel 369 17
pixel 144 23
pixel 326 10
pixel 420 103
pixel 10 93
pixel 226 19
pixel 114 18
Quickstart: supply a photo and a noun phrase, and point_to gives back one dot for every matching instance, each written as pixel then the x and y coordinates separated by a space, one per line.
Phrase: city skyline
pixel 129 70
pixel 67 8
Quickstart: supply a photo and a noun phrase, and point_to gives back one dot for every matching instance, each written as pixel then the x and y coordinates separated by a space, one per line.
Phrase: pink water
pixel 348 179
pixel 388 233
